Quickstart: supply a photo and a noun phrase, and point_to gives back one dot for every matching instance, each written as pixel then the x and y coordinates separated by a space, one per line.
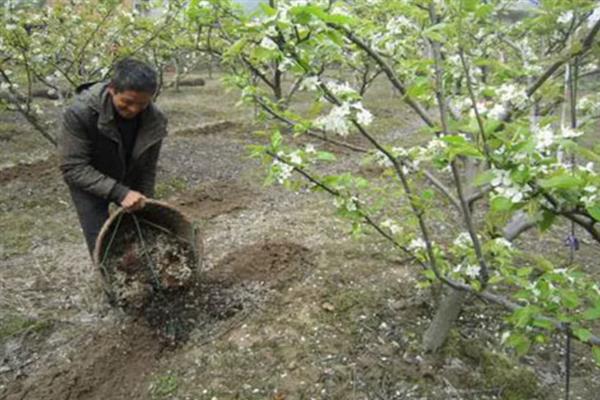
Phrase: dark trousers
pixel 92 212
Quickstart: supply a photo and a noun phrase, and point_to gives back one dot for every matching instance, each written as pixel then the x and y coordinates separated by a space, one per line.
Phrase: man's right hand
pixel 133 201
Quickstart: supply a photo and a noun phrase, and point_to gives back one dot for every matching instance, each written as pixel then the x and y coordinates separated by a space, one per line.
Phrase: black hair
pixel 132 74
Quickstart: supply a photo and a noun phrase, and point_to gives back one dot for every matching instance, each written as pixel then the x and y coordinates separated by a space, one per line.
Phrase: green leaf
pixel 521 343
pixel 325 156
pixel 256 151
pixel 427 194
pixel 583 334
pixel 268 10
pixel 459 146
pixel 336 19
pixel 276 140
pixel 490 126
pixel 469 5
pixel 563 182
pixel 484 10
pixel 500 203
pixel 596 354
pixel 570 298
pixel 523 316
pixel 420 87
pixel 592 313
pixel 523 272
pixel 429 274
pixel 594 211
pixel 543 323
pixel 546 221
pixel 484 178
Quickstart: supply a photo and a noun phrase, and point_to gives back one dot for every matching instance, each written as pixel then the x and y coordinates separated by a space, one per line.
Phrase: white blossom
pixel 503 242
pixel 504 186
pixel 532 287
pixel 285 64
pixel 399 151
pixel 498 111
pixel 512 193
pixel 510 93
pixel 472 271
pixel 567 132
pixel 268 43
pixel 351 204
pixel 544 137
pixel 392 226
pixel 284 171
pixel 295 158
pixel 310 83
pixel 383 160
pixel 417 244
pixel 337 119
pixel 363 116
pixel 463 240
pixel 565 17
pixel 341 89
pixel 589 167
pixel 501 178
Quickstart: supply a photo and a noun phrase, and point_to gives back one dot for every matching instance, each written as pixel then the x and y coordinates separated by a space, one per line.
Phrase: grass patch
pixel 21 230
pixel 20 143
pixel 164 386
pixel 495 371
pixel 15 324
pixel 170 187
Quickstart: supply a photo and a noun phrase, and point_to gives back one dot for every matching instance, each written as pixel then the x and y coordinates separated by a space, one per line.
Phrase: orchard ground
pixel 294 307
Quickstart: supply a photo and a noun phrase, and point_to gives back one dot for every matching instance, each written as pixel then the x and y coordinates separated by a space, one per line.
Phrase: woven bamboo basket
pixel 157 215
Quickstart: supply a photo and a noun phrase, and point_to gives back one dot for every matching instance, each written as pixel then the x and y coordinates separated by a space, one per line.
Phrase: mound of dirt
pixel 36 171
pixel 269 263
pixel 208 129
pixel 212 200
pixel 110 365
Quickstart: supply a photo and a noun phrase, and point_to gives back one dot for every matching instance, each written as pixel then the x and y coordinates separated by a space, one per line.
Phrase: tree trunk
pixel 177 74
pixel 451 305
pixel 447 312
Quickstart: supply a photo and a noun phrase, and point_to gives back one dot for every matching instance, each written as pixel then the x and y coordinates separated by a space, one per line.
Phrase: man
pixel 112 134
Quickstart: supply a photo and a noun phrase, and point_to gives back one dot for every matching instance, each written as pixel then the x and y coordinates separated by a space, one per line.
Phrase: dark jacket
pixel 92 154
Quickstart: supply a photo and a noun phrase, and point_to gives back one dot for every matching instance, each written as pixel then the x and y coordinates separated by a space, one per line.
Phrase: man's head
pixel 132 87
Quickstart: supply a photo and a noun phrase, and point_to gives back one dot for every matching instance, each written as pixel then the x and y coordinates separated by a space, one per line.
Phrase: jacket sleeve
pixel 146 182
pixel 76 151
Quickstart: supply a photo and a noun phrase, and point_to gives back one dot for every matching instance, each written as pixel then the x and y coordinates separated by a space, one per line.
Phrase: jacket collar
pixel 152 126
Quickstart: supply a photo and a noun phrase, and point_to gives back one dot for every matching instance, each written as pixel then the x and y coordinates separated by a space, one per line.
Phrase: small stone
pixel 328 307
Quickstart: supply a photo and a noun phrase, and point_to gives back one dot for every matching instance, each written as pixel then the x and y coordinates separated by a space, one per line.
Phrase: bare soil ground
pixel 289 306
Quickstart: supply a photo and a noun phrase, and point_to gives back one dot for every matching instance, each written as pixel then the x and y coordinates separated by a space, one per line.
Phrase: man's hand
pixel 133 201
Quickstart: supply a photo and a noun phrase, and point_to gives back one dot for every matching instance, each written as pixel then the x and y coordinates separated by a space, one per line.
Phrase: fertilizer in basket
pixel 145 262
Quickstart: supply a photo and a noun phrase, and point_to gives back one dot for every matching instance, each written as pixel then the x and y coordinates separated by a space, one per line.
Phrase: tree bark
pixel 447 312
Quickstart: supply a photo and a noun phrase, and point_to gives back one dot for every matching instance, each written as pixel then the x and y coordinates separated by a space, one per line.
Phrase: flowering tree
pixel 505 116
pixel 49 52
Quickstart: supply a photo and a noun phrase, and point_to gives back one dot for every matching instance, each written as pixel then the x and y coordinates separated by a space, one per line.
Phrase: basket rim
pixel 120 211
